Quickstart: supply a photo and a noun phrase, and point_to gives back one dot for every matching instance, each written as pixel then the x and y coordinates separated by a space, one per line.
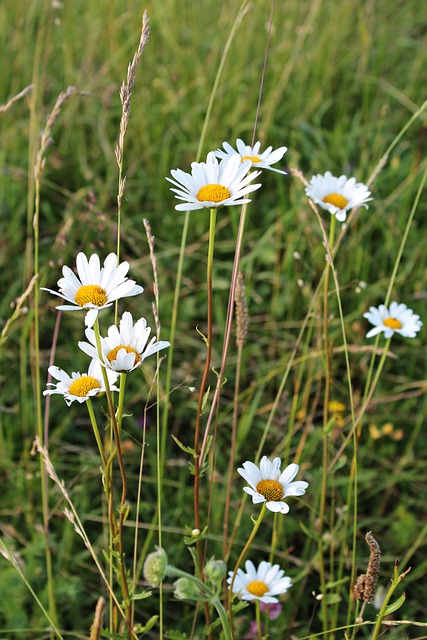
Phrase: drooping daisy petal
pixel 212 184
pixel 263 583
pixel 95 288
pixel 267 484
pixel 259 160
pixel 124 348
pixel 337 195
pixel 398 318
pixel 80 386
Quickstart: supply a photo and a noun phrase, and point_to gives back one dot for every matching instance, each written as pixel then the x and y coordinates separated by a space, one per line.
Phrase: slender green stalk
pixel 257 525
pixel 116 527
pixel 96 432
pixel 258 619
pixel 382 613
pixel 203 384
pixel 228 325
pixel 325 436
pixel 119 414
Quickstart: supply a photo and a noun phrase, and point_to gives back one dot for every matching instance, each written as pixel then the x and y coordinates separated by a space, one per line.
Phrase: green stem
pixel 258 619
pixel 325 442
pixel 257 525
pixel 96 432
pixel 119 415
pixel 197 462
pixel 223 617
pixel 394 583
pixel 116 528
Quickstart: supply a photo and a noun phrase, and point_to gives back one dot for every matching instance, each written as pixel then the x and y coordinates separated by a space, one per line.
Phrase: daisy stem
pixel 96 432
pixel 119 414
pixel 116 526
pixel 257 525
pixel 258 619
pixel 328 380
pixel 228 325
pixel 208 340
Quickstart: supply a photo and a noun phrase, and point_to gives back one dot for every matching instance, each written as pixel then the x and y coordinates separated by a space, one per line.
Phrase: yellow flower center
pixel 113 353
pixel 337 200
pixel 93 294
pixel 251 158
pixel 83 385
pixel 393 323
pixel 272 490
pixel 213 193
pixel 257 588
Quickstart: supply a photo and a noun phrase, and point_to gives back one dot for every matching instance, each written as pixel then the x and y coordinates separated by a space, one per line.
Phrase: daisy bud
pixel 186 589
pixel 215 570
pixel 155 566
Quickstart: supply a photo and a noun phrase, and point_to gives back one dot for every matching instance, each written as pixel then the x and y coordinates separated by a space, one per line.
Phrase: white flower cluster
pixel 123 349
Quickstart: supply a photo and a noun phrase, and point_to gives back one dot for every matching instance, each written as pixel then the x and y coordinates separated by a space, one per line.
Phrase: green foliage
pixel 342 80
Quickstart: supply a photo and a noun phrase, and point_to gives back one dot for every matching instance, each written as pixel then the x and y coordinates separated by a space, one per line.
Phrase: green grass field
pixel 343 89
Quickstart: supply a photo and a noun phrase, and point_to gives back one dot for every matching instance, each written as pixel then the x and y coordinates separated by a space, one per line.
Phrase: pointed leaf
pixel 395 605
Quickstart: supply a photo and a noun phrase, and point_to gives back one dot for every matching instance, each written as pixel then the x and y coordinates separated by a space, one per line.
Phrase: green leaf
pixel 396 605
pixel 183 447
pixel 205 399
pixel 141 596
pixel 139 628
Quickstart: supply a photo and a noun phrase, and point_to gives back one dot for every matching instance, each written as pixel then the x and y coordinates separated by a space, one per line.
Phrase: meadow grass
pixel 341 83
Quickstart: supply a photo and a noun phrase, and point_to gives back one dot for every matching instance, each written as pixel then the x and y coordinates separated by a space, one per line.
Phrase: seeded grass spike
pixel 214 184
pixel 269 485
pixel 261 584
pixel 125 348
pixel 259 160
pixel 398 318
pixel 95 288
pixel 337 195
pixel 79 386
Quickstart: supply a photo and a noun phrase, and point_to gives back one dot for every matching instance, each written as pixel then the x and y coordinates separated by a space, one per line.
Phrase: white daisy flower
pixel 269 485
pixel 80 386
pixel 260 584
pixel 398 318
pixel 259 160
pixel 95 288
pixel 212 184
pixel 125 348
pixel 337 195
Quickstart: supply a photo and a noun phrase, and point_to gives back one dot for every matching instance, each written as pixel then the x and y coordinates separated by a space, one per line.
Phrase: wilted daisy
pixel 337 195
pixel 398 318
pixel 79 386
pixel 126 347
pixel 212 184
pixel 95 288
pixel 269 485
pixel 260 584
pixel 259 160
